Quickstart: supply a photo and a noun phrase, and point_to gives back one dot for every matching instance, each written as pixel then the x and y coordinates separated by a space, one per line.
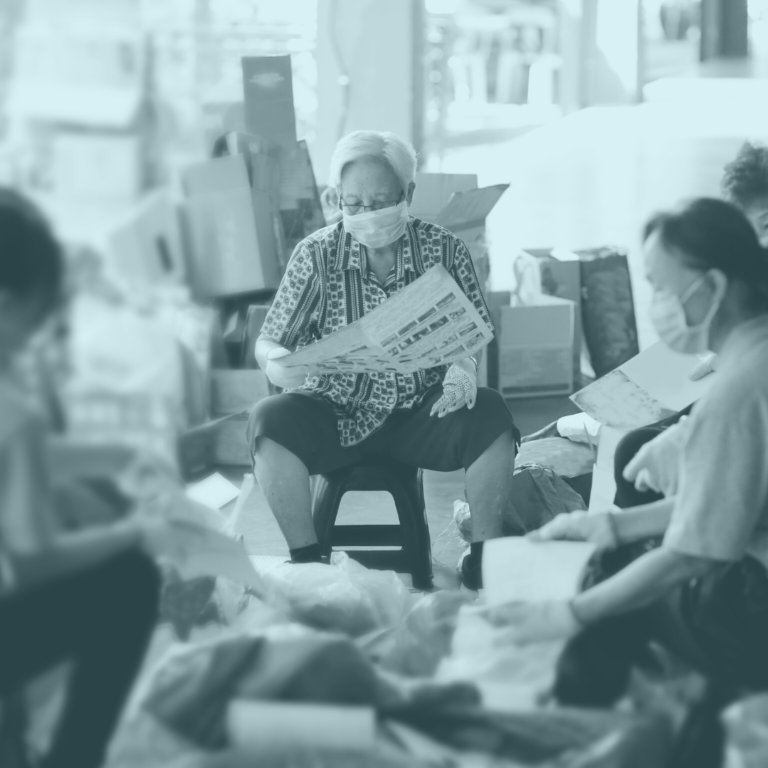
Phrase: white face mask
pixel 668 318
pixel 377 229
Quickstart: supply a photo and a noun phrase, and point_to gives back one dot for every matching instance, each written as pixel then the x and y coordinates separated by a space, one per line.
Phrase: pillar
pixel 369 61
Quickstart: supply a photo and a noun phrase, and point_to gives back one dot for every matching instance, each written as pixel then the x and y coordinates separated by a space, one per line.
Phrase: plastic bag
pixel 510 677
pixel 527 274
pixel 538 495
pixel 344 596
pixel 417 646
pixel 746 724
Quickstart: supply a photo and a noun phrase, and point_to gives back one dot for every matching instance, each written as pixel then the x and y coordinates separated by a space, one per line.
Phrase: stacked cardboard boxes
pixel 243 215
pixel 532 353
pixel 599 282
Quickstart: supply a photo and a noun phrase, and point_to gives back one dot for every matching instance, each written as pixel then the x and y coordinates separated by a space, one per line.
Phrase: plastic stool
pixel 405 485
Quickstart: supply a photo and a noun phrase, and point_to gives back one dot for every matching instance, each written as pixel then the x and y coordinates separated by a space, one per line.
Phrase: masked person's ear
pixel 409 193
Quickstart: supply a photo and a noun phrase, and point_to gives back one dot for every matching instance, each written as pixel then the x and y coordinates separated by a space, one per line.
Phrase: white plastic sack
pixel 344 596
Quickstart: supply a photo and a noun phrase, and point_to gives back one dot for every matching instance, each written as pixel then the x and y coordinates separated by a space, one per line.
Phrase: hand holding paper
pixel 594 527
pixel 704 368
pixel 656 466
pixel 280 375
pixel 528 587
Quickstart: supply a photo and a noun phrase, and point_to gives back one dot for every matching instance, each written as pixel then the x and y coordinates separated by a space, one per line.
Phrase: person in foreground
pixel 704 592
pixel 642 455
pixel 436 418
pixel 89 597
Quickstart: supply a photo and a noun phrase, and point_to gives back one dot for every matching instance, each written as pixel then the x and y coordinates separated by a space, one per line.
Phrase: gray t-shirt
pixel 721 509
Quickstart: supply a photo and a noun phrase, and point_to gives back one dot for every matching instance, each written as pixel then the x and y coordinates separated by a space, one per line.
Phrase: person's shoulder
pixel 429 230
pixel 314 252
pixel 740 383
pixel 325 239
pixel 436 244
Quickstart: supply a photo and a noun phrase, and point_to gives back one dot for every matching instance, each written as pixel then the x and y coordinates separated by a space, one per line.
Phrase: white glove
pixel 706 366
pixel 656 466
pixel 459 389
pixel 279 375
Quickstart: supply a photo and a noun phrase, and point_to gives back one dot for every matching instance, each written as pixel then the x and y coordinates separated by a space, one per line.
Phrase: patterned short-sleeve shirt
pixel 328 284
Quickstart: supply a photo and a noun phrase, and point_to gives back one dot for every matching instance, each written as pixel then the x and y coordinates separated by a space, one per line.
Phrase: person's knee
pixel 490 415
pixel 272 416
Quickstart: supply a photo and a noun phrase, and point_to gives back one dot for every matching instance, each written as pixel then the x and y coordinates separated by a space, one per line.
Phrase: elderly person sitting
pixel 435 418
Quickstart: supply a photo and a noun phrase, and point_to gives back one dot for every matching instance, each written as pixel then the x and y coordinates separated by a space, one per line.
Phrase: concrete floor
pixel 588 179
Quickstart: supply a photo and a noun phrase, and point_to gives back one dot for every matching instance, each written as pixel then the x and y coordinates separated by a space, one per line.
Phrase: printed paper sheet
pixel 649 387
pixel 516 570
pixel 429 323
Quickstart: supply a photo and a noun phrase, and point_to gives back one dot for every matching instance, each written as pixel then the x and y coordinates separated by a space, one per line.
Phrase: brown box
pixel 533 350
pixel 231 230
pixel 234 393
pixel 562 278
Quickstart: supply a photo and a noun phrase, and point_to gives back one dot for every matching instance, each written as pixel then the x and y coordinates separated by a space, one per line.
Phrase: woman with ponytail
pixel 704 591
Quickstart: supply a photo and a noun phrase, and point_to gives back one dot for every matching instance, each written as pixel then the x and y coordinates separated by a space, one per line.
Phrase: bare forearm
pixel 263 346
pixel 642 583
pixel 74 552
pixel 638 523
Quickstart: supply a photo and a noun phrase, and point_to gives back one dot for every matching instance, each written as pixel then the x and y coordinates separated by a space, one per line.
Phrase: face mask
pixel 377 229
pixel 668 318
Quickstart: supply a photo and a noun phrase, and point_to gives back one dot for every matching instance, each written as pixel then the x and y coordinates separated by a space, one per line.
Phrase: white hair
pixel 380 145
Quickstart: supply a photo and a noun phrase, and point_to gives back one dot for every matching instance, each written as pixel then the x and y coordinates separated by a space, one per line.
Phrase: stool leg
pixel 326 498
pixel 408 495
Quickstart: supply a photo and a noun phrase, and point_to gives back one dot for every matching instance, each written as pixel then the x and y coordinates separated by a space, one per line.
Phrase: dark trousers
pixel 100 619
pixel 626 493
pixel 718 623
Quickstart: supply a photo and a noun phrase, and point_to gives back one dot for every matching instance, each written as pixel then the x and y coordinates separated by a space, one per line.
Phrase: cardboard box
pixel 231 230
pixel 434 190
pixel 233 394
pixel 561 277
pixel 532 354
pixel 145 247
pixel 268 95
pixel 453 201
pixel 237 391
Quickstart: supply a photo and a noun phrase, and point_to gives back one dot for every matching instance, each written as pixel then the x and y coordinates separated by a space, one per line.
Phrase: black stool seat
pixel 405 485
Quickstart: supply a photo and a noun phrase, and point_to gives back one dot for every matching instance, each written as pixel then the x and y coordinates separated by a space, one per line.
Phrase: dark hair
pixel 31 261
pixel 745 180
pixel 714 234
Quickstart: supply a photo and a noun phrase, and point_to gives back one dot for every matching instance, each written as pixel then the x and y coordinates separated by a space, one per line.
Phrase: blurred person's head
pixel 745 184
pixel 31 271
pixel 373 173
pixel 708 271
